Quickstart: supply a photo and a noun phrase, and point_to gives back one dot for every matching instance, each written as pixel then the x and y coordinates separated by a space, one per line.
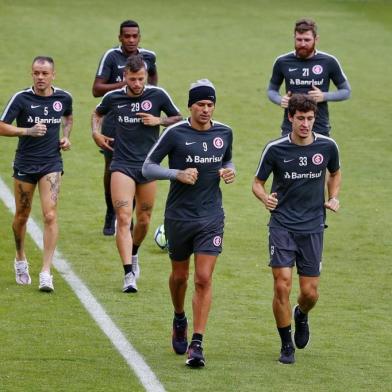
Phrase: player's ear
pixel 316 39
pixel 290 117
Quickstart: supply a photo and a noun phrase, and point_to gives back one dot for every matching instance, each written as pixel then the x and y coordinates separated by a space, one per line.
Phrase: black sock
pixel 198 337
pixel 285 335
pixel 179 316
pixel 135 248
pixel 127 268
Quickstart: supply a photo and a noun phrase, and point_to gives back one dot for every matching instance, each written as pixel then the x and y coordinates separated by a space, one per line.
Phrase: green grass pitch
pixel 49 343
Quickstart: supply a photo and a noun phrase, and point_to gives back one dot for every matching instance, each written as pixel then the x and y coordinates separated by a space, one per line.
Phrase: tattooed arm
pixel 65 143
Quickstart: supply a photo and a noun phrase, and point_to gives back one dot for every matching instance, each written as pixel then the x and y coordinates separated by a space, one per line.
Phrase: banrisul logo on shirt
pixel 146 105
pixel 57 106
pixel 218 142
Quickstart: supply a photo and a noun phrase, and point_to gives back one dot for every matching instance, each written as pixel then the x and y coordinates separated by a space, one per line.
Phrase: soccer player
pixel 136 109
pixel 199 151
pixel 110 77
pixel 39 111
pixel 308 71
pixel 298 162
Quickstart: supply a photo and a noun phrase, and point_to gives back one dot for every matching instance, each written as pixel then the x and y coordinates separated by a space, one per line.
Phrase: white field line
pixel 135 361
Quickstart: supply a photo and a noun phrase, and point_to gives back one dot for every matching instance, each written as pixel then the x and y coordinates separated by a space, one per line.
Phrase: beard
pixel 304 53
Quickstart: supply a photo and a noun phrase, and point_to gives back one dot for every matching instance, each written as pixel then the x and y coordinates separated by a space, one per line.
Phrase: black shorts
pixel 36 172
pixel 304 250
pixel 200 236
pixel 135 174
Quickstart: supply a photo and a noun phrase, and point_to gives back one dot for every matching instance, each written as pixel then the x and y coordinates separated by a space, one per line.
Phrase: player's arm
pixel 227 172
pixel 154 171
pixel 275 97
pixel 100 140
pixel 101 87
pixel 67 122
pixel 152 121
pixel 153 77
pixel 333 186
pixel 269 200
pixel 37 130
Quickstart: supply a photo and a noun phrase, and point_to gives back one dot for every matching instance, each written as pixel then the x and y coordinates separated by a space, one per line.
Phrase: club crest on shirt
pixel 218 142
pixel 317 69
pixel 146 105
pixel 217 240
pixel 57 106
pixel 317 159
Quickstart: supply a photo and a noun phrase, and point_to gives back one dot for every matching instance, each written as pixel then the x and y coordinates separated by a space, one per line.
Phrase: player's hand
pixel 149 119
pixel 332 204
pixel 271 202
pixel 284 103
pixel 316 94
pixel 37 130
pixel 188 176
pixel 65 143
pixel 103 141
pixel 227 175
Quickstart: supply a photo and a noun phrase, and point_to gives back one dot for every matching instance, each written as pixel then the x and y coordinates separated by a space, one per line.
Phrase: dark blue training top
pixel 207 151
pixel 299 75
pixel 28 109
pixel 133 140
pixel 111 69
pixel 299 180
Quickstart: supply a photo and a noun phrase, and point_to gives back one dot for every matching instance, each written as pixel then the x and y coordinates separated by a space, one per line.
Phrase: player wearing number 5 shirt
pixel 41 110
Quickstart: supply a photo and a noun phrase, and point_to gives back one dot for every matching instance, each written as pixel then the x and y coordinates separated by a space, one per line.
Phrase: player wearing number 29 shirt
pixel 136 109
pixel 298 162
pixel 199 151
pixel 308 71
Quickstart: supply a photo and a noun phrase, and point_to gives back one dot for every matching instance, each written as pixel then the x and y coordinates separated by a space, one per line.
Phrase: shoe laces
pixel 22 268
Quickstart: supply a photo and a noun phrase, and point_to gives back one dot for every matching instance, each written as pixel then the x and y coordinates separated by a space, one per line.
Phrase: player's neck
pixel 43 93
pixel 301 141
pixel 129 53
pixel 200 126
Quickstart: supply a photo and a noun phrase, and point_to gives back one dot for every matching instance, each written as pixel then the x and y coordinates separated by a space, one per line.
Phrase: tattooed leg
pixel 23 192
pixel 49 189
pixel 123 190
pixel 145 197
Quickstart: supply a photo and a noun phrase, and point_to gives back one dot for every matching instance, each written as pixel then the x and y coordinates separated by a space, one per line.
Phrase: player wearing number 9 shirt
pixel 199 151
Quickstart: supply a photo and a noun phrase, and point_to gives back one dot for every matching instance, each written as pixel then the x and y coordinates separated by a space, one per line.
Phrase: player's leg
pixel 110 216
pixel 49 189
pixel 309 268
pixel 178 283
pixel 201 304
pixel 23 192
pixel 282 259
pixel 123 191
pixel 145 198
pixel 282 311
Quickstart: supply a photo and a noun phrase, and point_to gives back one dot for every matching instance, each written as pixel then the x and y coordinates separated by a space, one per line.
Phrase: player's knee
pixel 282 289
pixel 123 219
pixel 50 217
pixel 310 295
pixel 21 218
pixel 180 277
pixel 202 280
